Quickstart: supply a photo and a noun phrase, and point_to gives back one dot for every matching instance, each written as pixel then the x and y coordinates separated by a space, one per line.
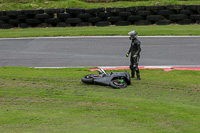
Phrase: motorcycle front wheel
pixel 89 79
pixel 117 84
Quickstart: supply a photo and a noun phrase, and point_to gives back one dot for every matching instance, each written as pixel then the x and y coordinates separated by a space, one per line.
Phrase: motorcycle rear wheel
pixel 117 84
pixel 89 79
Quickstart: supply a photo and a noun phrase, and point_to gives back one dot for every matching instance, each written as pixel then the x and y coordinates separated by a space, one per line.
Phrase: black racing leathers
pixel 134 51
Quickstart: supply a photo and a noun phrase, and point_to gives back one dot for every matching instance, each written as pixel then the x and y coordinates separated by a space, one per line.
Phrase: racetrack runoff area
pixel 47 100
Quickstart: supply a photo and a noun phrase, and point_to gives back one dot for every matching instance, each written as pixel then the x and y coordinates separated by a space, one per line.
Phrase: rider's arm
pixel 127 54
pixel 129 50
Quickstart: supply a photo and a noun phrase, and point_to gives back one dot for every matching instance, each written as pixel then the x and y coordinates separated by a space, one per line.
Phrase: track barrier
pixel 118 16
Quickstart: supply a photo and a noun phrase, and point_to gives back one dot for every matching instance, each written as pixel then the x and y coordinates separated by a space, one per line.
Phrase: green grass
pixel 35 4
pixel 102 31
pixel 55 100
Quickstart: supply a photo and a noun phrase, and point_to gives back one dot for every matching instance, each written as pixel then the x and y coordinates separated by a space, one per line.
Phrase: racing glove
pixel 127 54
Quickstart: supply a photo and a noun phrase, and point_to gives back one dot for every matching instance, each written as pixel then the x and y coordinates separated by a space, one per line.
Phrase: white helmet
pixel 133 34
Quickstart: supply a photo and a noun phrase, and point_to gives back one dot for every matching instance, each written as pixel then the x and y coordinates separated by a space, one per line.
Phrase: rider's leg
pixel 135 65
pixel 137 73
pixel 132 68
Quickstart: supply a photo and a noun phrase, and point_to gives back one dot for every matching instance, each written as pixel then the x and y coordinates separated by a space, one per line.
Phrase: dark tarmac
pixel 97 51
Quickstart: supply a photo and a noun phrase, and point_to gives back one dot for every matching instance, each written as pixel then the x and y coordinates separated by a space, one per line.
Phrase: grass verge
pixel 55 100
pixel 102 31
pixel 44 4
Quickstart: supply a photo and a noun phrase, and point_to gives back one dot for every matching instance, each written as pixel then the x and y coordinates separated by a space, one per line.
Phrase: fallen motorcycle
pixel 115 79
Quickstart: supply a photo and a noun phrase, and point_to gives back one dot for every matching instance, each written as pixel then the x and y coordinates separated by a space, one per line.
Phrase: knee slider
pixel 131 67
pixel 134 65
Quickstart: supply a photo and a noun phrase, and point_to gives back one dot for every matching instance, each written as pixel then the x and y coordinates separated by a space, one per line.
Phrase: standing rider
pixel 135 54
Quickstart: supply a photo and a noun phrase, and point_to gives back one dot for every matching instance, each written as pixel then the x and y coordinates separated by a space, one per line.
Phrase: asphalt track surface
pixel 98 51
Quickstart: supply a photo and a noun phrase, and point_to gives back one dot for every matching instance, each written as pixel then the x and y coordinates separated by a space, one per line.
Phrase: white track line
pixel 122 66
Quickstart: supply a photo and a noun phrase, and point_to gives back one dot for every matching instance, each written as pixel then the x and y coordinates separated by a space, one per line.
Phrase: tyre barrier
pixel 119 16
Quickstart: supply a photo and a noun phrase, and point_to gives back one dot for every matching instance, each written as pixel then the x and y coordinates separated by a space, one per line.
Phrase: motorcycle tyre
pixel 114 85
pixel 87 80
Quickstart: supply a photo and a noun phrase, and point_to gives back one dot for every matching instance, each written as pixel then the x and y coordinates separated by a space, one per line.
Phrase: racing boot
pixel 132 71
pixel 132 74
pixel 138 75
